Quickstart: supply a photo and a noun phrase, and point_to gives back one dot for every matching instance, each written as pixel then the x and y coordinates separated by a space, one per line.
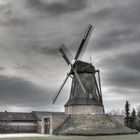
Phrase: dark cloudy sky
pixel 31 32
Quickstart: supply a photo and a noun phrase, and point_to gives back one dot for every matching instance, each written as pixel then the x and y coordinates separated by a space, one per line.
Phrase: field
pixel 117 137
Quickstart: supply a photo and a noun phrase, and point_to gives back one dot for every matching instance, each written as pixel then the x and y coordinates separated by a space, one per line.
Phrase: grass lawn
pixel 117 137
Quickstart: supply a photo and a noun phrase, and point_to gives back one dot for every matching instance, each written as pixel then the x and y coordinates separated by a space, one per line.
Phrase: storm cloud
pixel 31 68
pixel 18 91
pixel 56 8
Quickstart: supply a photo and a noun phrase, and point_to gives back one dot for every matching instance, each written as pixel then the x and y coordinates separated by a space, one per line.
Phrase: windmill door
pixel 47 125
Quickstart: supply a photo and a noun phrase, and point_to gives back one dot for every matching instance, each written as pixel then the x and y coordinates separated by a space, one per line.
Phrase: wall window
pixel 93 109
pixel 90 95
pixel 9 116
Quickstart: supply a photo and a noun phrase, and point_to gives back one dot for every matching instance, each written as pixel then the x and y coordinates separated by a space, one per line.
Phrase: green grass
pixel 117 137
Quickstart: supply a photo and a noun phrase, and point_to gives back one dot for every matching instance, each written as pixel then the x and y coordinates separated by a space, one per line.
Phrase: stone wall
pixel 92 124
pixel 84 109
pixel 58 120
pixel 119 118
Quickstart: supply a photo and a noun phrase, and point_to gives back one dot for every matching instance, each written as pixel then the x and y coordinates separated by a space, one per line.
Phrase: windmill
pixel 85 95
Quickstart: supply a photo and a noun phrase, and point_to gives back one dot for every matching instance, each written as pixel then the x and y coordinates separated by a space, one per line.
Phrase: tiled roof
pixel 83 67
pixel 17 116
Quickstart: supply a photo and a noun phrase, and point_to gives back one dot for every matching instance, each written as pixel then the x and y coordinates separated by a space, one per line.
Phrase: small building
pixel 13 122
pixel 34 122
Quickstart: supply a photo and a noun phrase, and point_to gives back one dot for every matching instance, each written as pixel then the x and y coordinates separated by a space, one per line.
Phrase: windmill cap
pixel 83 67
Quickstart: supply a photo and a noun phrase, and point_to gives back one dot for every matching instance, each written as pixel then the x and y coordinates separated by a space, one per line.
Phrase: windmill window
pixel 71 96
pixel 10 116
pixel 93 109
pixel 90 95
pixel 7 127
pixel 23 117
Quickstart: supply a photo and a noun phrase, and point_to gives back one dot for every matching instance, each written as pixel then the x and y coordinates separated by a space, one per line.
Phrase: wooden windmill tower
pixel 86 95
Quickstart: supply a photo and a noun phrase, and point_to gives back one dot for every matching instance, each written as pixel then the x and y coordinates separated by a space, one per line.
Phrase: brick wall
pixel 18 127
pixel 84 109
pixel 58 120
pixel 119 118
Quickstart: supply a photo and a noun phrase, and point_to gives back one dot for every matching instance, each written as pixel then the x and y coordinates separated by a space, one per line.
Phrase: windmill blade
pixel 57 94
pixel 66 54
pixel 79 81
pixel 68 58
pixel 84 43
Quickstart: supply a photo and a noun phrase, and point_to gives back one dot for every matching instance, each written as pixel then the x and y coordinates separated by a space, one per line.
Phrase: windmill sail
pixel 57 94
pixel 79 81
pixel 68 58
pixel 66 54
pixel 84 43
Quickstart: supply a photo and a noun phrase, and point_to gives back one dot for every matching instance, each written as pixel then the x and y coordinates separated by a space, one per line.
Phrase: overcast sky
pixel 31 68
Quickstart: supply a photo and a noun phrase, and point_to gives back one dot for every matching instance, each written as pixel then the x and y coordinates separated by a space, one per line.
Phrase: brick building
pixel 34 122
pixel 13 122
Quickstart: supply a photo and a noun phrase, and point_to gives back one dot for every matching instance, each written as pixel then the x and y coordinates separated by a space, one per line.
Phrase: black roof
pixel 25 117
pixel 83 101
pixel 17 116
pixel 83 67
